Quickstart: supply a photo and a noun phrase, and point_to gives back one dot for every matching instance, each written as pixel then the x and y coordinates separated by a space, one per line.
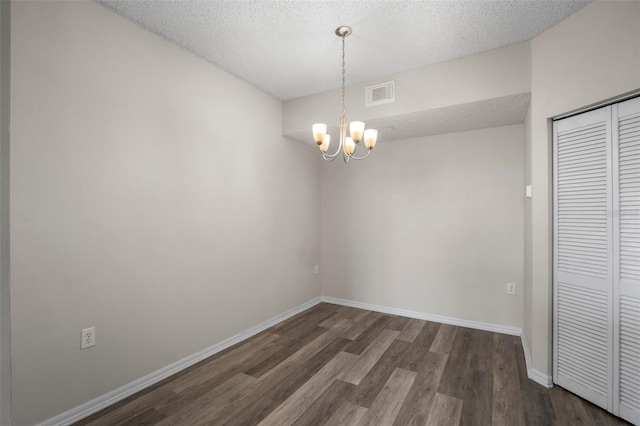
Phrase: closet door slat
pixel 582 255
pixel 596 240
pixel 627 265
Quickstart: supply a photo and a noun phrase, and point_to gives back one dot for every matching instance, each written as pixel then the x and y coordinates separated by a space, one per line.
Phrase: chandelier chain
pixel 343 77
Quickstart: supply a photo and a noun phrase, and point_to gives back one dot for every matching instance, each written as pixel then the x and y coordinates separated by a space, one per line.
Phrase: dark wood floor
pixel 343 366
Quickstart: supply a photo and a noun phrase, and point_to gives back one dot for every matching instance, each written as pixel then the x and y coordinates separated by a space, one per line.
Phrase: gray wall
pixel 153 197
pixel 145 205
pixel 486 75
pixel 432 225
pixel 527 330
pixel 5 317
pixel 589 57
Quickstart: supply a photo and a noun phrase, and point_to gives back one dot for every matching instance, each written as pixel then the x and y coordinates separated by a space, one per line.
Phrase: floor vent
pixel 380 94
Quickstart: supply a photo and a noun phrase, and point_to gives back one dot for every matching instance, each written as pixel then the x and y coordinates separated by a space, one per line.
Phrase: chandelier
pixel 357 132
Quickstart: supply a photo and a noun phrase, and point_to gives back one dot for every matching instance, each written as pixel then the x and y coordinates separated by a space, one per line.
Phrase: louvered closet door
pixel 583 261
pixel 626 131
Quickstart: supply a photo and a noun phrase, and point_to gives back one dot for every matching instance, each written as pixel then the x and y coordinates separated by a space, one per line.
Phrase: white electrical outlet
pixel 316 269
pixel 511 288
pixel 88 338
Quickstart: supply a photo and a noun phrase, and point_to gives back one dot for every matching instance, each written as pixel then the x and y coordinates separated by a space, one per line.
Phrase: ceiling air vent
pixel 380 94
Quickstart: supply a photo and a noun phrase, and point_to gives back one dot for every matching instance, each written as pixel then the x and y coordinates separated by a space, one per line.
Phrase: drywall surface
pixel 5 317
pixel 152 196
pixel 590 57
pixel 527 320
pixel 433 225
pixel 488 75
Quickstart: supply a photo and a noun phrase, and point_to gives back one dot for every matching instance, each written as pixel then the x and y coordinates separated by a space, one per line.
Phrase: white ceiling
pixel 289 49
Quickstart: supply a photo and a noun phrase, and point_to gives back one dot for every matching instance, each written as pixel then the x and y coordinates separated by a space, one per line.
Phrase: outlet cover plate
pixel 88 338
pixel 511 288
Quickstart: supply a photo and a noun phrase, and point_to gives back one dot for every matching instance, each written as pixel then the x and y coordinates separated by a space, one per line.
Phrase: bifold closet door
pixel 583 228
pixel 626 196
pixel 597 257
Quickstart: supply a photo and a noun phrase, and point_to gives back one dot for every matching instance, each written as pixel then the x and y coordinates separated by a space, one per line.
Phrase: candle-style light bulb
pixel 370 138
pixel 324 146
pixel 319 131
pixel 349 146
pixel 356 128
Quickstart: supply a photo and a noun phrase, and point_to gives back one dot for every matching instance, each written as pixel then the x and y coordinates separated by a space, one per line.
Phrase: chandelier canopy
pixel 357 132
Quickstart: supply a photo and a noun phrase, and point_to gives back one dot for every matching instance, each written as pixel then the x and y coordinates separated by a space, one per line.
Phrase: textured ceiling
pixel 289 49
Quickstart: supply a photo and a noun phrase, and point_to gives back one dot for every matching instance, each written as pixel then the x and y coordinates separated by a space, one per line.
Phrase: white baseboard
pixel 533 374
pixel 496 328
pixel 95 405
pixel 540 378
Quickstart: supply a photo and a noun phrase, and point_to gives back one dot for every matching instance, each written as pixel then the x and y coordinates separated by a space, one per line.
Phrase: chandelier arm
pixel 335 154
pixel 329 158
pixel 363 157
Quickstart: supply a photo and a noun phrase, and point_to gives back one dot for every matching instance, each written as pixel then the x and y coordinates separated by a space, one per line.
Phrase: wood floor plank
pixel 147 417
pixel 535 398
pixel 398 323
pixel 445 411
pixel 507 400
pixel 326 404
pixel 304 370
pixel 339 365
pixel 462 381
pixel 368 358
pixel 301 340
pixel 282 373
pixel 236 359
pixel 251 413
pixel 456 377
pixel 354 314
pixel 332 320
pixel 481 348
pixel 286 378
pixel 301 400
pixel 212 378
pixel 411 330
pixel 361 325
pixel 476 410
pixel 370 386
pixel 420 347
pixel 364 340
pixel 359 314
pixel 315 316
pixel 131 409
pixel 444 339
pixel 347 414
pixel 462 349
pixel 245 399
pixel 355 330
pixel 567 410
pixel 306 351
pixel 207 407
pixel 387 404
pixel 417 405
